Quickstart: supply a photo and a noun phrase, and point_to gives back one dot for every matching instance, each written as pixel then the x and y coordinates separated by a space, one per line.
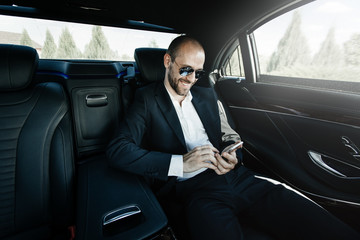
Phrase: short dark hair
pixel 177 42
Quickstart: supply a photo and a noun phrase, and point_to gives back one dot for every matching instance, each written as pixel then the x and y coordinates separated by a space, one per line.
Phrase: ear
pixel 167 60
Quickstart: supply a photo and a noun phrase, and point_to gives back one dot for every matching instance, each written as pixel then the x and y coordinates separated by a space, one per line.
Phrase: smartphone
pixel 232 147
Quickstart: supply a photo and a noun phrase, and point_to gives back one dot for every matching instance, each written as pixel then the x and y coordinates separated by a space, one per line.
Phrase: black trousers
pixel 217 206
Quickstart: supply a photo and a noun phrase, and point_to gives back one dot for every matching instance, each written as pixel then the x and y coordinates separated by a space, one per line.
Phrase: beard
pixel 175 84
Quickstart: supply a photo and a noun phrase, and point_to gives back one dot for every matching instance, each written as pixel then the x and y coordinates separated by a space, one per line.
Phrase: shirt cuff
pixel 176 166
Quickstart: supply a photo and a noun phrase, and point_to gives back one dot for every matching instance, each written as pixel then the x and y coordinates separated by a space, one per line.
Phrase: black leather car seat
pixel 36 151
pixel 150 64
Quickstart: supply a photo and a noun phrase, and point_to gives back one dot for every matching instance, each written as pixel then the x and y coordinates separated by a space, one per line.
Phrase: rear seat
pixel 36 151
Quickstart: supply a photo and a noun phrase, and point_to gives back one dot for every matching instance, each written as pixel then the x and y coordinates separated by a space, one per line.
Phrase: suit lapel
pixel 205 107
pixel 207 115
pixel 163 100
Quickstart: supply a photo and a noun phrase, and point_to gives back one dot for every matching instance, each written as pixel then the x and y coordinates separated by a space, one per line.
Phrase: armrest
pixel 115 205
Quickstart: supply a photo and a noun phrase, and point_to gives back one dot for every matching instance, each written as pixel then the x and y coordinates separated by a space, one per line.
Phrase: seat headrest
pixel 150 62
pixel 17 66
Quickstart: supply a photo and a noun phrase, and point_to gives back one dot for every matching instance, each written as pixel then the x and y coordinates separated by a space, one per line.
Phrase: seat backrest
pixel 36 151
pixel 150 63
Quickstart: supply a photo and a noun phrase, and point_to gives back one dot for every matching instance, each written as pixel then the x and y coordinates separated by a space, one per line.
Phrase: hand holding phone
pixel 233 147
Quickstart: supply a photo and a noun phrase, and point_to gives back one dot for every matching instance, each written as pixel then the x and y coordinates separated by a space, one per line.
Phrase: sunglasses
pixel 186 71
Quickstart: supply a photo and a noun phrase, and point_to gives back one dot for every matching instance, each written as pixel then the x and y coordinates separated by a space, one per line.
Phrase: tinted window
pixel 320 40
pixel 234 64
pixel 64 40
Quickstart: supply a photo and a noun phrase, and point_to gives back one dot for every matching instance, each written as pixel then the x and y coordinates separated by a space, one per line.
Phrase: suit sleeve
pixel 125 151
pixel 228 134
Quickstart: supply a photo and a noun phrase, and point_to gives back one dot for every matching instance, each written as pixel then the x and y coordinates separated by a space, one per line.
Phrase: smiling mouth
pixel 185 82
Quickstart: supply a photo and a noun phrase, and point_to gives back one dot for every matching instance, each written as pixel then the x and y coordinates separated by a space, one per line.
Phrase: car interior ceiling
pixel 91 105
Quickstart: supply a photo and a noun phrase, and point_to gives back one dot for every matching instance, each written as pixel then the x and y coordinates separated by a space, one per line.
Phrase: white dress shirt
pixel 194 134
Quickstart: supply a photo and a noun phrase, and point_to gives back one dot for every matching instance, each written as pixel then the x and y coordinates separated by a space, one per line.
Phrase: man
pixel 174 138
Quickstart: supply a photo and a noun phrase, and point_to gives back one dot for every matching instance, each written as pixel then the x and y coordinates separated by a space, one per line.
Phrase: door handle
pixel 317 158
pixel 121 219
pixel 121 214
pixel 96 100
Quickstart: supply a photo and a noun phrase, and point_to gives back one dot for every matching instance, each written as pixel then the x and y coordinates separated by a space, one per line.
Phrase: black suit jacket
pixel 151 131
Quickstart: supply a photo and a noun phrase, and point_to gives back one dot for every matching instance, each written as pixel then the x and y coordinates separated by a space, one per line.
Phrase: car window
pixel 234 64
pixel 65 40
pixel 318 41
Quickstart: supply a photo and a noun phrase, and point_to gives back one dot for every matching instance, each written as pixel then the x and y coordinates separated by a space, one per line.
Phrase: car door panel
pixel 308 137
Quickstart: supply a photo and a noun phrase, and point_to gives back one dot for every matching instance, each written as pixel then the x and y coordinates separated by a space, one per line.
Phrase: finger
pixel 200 152
pixel 231 158
pixel 221 171
pixel 218 172
pixel 210 166
pixel 206 148
pixel 223 166
pixel 208 155
pixel 210 159
pixel 223 162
